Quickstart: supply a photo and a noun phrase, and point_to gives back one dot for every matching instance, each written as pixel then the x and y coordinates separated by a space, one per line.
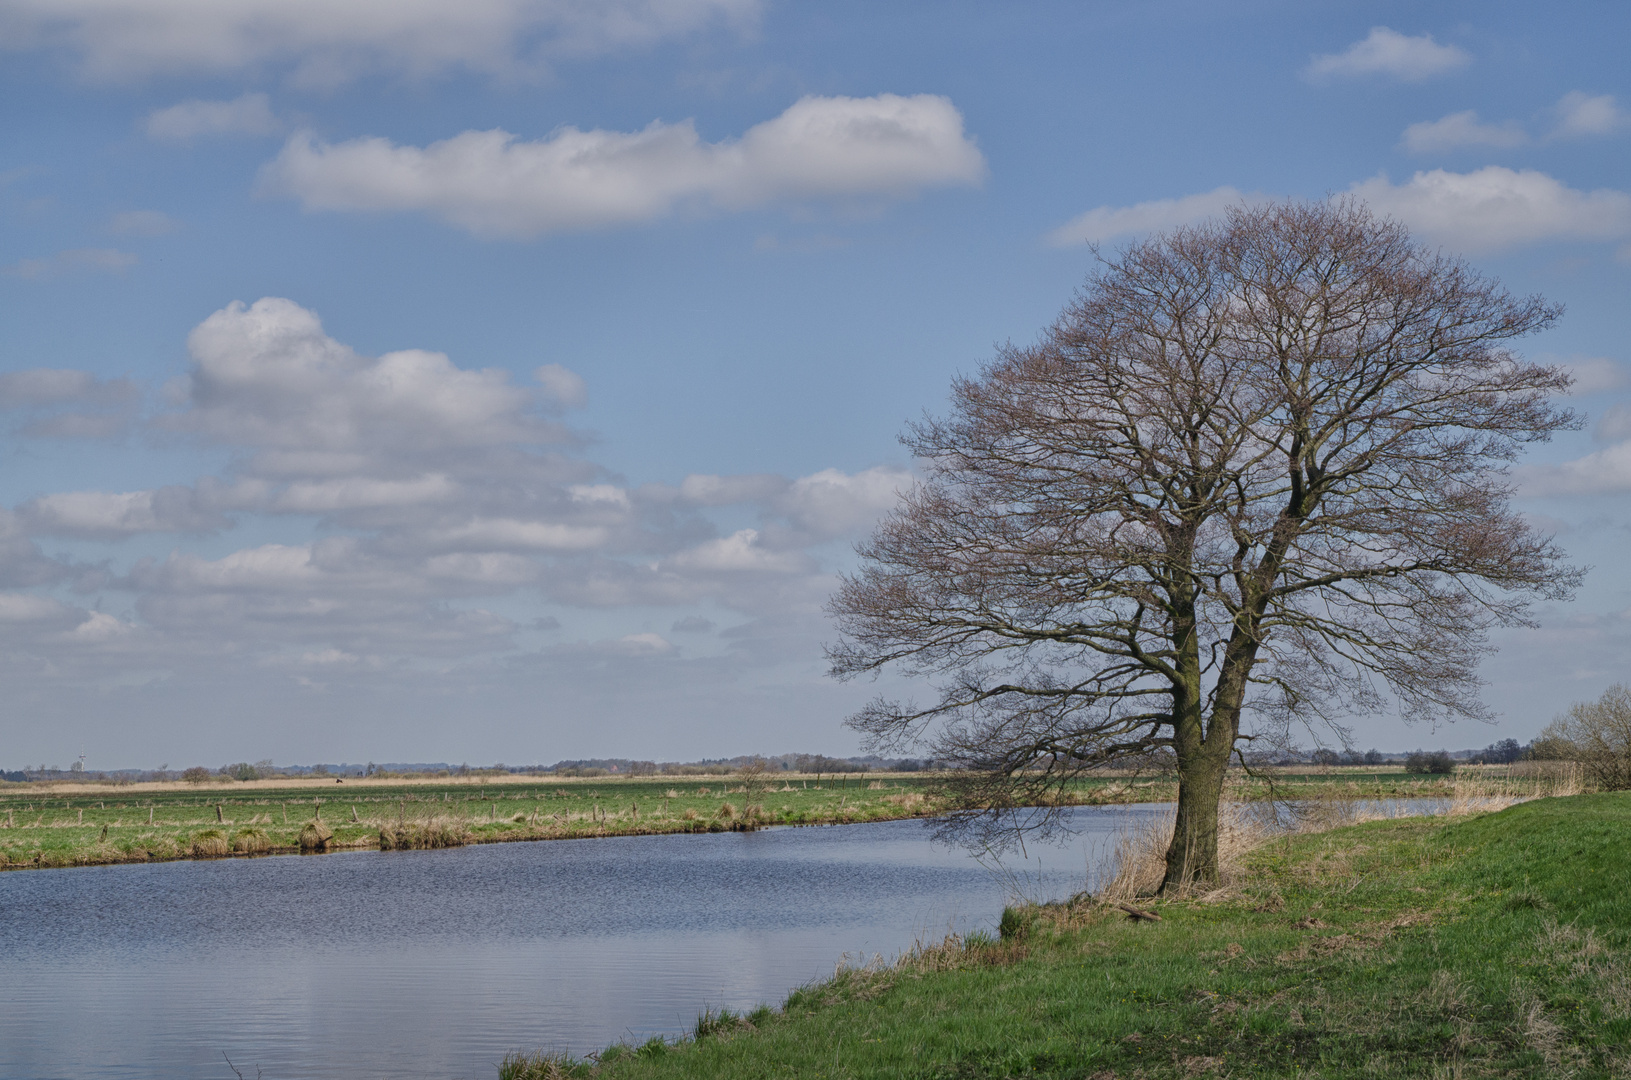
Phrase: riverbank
pixel 1494 944
pixel 58 825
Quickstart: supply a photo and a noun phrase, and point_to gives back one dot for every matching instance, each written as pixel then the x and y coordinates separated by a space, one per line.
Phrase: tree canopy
pixel 1254 475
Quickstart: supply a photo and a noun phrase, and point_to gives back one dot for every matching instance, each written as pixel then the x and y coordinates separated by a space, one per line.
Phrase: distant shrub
pixel 241 771
pixel 1435 762
pixel 195 775
pixel 1598 735
pixel 1326 756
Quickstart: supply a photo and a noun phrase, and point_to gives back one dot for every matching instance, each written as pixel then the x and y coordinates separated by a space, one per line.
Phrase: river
pixel 434 964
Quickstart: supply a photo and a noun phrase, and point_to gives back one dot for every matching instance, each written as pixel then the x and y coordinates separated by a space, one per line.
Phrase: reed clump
pixel 540 1065
pixel 210 844
pixel 422 835
pixel 316 836
pixel 251 842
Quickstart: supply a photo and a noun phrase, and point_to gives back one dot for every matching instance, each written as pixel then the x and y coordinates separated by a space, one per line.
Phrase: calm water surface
pixel 436 963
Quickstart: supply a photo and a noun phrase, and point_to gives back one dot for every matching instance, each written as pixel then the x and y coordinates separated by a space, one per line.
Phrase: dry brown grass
pixel 1141 852
pixel 210 844
pixel 435 832
pixel 251 842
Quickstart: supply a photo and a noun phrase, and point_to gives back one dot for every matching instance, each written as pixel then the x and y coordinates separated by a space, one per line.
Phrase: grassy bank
pixel 88 825
pixel 45 825
pixel 1481 946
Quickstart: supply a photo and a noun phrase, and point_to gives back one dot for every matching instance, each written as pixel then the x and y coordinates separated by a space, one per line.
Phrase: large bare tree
pixel 1256 474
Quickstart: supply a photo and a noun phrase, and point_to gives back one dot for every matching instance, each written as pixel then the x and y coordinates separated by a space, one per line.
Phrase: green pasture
pixel 1489 946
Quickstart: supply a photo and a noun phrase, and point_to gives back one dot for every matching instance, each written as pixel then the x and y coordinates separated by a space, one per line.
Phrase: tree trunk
pixel 1193 854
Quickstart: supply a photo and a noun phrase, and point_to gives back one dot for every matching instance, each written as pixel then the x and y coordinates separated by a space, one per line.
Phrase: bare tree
pixel 1598 735
pixel 1256 471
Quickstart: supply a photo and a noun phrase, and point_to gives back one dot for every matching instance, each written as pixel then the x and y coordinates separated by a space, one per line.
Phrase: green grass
pixel 42 828
pixel 1472 947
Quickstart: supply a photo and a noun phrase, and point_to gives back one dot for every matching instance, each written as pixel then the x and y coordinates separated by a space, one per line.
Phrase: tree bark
pixel 1193 854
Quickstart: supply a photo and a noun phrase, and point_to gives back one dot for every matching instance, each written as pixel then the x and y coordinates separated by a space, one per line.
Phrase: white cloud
pixel 1106 222
pixel 495 185
pixel 1615 424
pixel 739 552
pixel 436 484
pixel 832 503
pixel 28 608
pixel 1388 52
pixel 359 492
pixel 40 385
pixel 1458 130
pixel 645 644
pixel 327 42
pixel 1592 374
pixel 1580 114
pixel 109 515
pixel 706 489
pixel 488 534
pixel 71 261
pixel 1605 472
pixel 143 223
pixel 566 388
pixel 266 375
pixel 97 628
pixel 1495 208
pixel 250 114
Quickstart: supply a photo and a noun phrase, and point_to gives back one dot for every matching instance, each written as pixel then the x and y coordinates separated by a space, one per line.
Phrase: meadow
pixel 1492 944
pixel 56 825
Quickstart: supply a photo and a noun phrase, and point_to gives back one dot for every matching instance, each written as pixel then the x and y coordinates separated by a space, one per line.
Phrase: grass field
pixel 44 825
pixel 1495 945
pixel 89 825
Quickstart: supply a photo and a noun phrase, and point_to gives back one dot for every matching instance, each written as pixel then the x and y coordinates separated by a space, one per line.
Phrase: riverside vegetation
pixel 50 825
pixel 1467 945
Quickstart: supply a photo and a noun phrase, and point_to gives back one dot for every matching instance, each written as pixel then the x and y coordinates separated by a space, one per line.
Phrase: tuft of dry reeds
pixel 251 842
pixel 210 844
pixel 423 835
pixel 1140 855
pixel 316 836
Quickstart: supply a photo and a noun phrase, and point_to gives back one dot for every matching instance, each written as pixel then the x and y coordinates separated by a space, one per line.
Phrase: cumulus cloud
pixel 1604 472
pixel 267 375
pixel 1580 114
pixel 1592 374
pixel 437 484
pixel 496 185
pixel 1576 115
pixel 1495 208
pixel 1460 130
pixel 326 43
pixel 1390 53
pixel 250 114
pixel 109 515
pixel 1107 222
pixel 75 260
pixel 834 503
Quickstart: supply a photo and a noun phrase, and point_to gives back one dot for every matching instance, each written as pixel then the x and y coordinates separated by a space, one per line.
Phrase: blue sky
pixel 507 380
